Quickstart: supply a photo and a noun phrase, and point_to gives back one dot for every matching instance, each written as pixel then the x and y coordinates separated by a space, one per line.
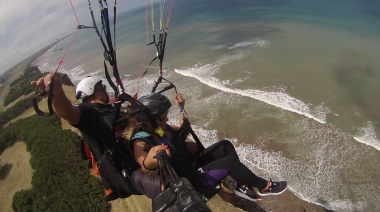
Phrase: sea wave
pixel 255 42
pixel 272 164
pixel 278 99
pixel 367 135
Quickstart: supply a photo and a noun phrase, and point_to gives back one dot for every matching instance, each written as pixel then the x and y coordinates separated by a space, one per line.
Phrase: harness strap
pixel 104 156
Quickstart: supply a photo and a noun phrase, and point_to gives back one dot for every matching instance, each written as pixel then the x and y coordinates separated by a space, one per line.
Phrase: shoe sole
pixel 247 197
pixel 269 194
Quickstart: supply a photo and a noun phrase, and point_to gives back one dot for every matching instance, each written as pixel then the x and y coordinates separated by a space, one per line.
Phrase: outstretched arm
pixel 190 144
pixel 61 103
pixel 180 102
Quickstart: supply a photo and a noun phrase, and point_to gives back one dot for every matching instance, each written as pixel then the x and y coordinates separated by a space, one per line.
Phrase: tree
pixel 23 201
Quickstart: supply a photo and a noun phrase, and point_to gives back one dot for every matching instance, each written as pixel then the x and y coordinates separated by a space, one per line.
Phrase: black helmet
pixel 157 103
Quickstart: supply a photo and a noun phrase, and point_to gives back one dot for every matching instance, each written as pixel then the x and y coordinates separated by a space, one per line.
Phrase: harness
pixel 113 160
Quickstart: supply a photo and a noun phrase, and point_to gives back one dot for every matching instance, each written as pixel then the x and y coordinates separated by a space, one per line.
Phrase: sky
pixel 29 25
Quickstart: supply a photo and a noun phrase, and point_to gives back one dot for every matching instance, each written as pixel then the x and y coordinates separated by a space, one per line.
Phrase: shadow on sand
pixel 5 170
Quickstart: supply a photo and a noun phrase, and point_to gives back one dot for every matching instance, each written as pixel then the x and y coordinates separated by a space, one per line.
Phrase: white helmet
pixel 86 87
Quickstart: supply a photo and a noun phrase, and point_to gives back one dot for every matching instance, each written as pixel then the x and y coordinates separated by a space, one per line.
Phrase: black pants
pixel 220 160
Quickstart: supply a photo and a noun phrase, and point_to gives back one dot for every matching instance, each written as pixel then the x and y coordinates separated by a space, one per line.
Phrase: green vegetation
pixel 61 181
pixel 15 111
pixel 21 86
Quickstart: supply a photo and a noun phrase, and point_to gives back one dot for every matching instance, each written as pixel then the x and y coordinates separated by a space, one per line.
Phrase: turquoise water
pixel 294 84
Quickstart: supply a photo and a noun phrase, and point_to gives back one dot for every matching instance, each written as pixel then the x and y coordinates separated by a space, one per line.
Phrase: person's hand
pixel 150 163
pixel 179 100
pixel 154 150
pixel 44 82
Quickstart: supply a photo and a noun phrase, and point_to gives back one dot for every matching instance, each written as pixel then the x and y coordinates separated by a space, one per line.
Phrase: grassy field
pixel 16 174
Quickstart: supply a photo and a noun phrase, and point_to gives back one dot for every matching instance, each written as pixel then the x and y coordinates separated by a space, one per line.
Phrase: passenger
pixel 94 119
pixel 216 161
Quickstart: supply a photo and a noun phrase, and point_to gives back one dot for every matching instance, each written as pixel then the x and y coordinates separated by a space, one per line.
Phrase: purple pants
pixel 220 160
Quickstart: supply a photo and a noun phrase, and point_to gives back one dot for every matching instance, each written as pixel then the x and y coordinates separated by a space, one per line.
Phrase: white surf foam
pixel 367 135
pixel 255 42
pixel 218 47
pixel 278 99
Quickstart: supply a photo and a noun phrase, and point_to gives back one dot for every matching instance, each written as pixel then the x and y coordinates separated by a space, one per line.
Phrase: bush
pixel 15 111
pixel 21 86
pixel 23 201
pixel 61 180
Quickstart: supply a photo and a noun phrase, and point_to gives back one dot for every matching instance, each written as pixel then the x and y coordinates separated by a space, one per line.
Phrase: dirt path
pixel 16 173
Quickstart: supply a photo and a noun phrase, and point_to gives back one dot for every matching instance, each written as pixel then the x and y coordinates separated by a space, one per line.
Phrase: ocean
pixel 293 84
